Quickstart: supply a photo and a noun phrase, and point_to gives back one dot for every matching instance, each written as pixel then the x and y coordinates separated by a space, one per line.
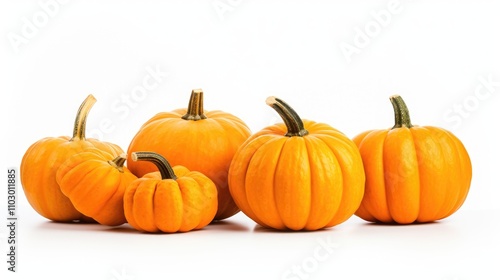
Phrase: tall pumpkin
pixel 42 160
pixel 297 175
pixel 200 140
pixel 413 173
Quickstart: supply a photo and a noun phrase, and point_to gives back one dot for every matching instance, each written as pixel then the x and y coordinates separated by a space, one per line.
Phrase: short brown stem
pixel 401 113
pixel 118 162
pixel 195 108
pixel 293 123
pixel 164 167
pixel 81 118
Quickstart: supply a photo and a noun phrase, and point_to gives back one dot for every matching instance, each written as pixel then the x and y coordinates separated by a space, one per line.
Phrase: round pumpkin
pixel 95 183
pixel 200 140
pixel 42 160
pixel 169 200
pixel 297 175
pixel 414 174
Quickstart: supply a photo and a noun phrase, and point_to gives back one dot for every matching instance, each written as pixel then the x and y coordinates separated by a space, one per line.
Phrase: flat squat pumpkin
pixel 413 173
pixel 200 140
pixel 169 200
pixel 297 175
pixel 42 160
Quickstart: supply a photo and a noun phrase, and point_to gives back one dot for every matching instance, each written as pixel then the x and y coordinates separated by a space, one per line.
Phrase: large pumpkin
pixel 42 160
pixel 413 173
pixel 170 200
pixel 200 140
pixel 95 182
pixel 300 175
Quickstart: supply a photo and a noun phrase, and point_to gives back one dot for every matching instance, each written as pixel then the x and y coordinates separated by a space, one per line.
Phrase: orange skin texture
pixel 38 175
pixel 414 175
pixel 207 146
pixel 94 186
pixel 297 183
pixel 155 205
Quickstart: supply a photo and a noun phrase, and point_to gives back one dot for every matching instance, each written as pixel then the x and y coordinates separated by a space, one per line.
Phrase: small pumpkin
pixel 414 174
pixel 95 182
pixel 200 140
pixel 169 200
pixel 42 160
pixel 297 175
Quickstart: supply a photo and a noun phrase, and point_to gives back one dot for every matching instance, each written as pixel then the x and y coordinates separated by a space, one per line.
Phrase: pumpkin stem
pixel 401 113
pixel 195 107
pixel 293 123
pixel 81 118
pixel 118 162
pixel 165 168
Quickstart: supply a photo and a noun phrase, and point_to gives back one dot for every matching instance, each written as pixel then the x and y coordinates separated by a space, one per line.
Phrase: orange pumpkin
pixel 200 140
pixel 413 173
pixel 41 161
pixel 300 175
pixel 171 200
pixel 95 183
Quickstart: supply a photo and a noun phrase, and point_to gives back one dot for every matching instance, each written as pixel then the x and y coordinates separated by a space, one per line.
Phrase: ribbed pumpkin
pixel 200 140
pixel 95 182
pixel 413 173
pixel 42 160
pixel 300 175
pixel 171 199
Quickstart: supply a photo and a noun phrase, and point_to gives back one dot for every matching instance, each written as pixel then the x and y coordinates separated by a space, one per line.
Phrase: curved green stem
pixel 164 167
pixel 293 123
pixel 118 162
pixel 195 108
pixel 401 113
pixel 81 118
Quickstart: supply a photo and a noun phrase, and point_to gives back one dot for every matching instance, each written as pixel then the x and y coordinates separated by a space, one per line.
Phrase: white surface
pixel 436 54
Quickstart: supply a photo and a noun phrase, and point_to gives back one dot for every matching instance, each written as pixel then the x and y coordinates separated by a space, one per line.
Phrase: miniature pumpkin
pixel 300 175
pixel 41 161
pixel 200 140
pixel 95 182
pixel 413 173
pixel 171 199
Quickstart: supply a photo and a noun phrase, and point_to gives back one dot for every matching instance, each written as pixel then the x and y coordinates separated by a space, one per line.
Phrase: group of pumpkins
pixel 189 167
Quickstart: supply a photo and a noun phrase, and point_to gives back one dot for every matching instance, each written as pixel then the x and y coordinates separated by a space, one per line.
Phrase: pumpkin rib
pixel 291 195
pixel 433 179
pixel 402 180
pixel 465 165
pixel 205 188
pixel 262 182
pixel 449 151
pixel 341 146
pixel 330 206
pixel 237 184
pixel 143 207
pixel 375 198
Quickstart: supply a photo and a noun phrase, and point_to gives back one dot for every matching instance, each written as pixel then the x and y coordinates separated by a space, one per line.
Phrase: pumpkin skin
pixel 171 200
pixel 42 160
pixel 200 140
pixel 95 182
pixel 414 174
pixel 300 175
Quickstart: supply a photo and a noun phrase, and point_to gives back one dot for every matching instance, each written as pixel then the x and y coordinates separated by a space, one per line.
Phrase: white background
pixel 434 53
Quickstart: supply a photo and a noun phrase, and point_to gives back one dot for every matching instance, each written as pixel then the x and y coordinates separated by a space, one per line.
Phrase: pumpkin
pixel 200 140
pixel 95 183
pixel 42 160
pixel 297 175
pixel 171 199
pixel 414 174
